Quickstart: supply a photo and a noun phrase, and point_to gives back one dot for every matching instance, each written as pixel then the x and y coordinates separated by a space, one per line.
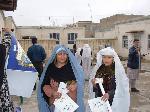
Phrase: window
pixel 32 37
pixel 136 36
pixel 148 41
pixel 125 42
pixel 55 36
pixel 72 38
pixel 28 37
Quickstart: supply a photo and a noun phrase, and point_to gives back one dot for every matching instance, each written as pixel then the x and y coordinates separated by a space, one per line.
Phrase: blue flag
pixel 20 71
pixel 18 60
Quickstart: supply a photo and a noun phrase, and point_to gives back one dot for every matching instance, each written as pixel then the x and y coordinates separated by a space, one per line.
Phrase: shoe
pixel 134 90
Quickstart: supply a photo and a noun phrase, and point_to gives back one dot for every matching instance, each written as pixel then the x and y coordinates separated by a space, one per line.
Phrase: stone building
pixel 62 35
pixel 119 31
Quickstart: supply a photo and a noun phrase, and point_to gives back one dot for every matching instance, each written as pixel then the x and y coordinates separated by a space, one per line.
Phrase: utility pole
pixel 90 11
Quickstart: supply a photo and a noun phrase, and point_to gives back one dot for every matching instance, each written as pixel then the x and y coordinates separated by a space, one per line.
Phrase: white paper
pixel 63 88
pixel 65 103
pixel 97 105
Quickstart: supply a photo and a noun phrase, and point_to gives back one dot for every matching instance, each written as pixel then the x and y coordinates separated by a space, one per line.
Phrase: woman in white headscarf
pixel 115 81
pixel 86 60
pixel 78 55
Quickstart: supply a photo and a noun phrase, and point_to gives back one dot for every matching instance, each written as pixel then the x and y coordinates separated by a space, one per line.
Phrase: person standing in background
pixel 78 55
pixel 37 55
pixel 86 60
pixel 133 65
pixel 74 49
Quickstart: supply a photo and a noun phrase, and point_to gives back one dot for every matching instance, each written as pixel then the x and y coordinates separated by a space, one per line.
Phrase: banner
pixel 20 71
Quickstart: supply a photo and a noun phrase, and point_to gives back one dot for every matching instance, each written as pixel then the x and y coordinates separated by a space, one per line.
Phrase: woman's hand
pixel 47 90
pixel 54 84
pixel 72 87
pixel 105 97
pixel 56 95
pixel 72 91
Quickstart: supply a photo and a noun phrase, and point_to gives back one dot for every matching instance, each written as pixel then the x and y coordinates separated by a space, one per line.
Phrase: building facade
pixel 127 31
pixel 63 35
pixel 119 33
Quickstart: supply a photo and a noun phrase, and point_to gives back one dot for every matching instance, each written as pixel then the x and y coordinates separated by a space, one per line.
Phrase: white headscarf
pixel 86 51
pixel 121 100
pixel 78 51
pixel 78 56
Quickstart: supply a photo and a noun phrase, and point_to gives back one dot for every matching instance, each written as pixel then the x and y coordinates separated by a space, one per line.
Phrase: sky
pixel 61 12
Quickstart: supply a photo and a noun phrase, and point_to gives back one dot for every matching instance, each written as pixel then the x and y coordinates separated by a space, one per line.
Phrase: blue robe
pixel 78 72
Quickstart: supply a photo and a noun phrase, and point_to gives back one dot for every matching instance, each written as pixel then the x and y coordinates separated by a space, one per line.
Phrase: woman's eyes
pixel 61 54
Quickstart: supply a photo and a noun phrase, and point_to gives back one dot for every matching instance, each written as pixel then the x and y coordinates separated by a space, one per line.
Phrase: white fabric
pixel 21 83
pixel 86 60
pixel 78 56
pixel 121 101
pixel 86 51
pixel 86 65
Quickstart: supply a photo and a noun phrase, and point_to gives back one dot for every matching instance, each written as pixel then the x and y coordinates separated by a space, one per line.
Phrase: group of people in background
pixel 73 68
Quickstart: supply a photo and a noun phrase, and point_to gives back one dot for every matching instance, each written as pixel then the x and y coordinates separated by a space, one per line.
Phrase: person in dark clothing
pixel 107 72
pixel 74 49
pixel 37 55
pixel 2 62
pixel 81 52
pixel 133 65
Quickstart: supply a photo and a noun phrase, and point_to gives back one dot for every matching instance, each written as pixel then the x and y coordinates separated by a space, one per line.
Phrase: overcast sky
pixel 60 12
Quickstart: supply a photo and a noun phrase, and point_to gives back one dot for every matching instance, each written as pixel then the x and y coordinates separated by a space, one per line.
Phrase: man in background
pixel 133 65
pixel 37 55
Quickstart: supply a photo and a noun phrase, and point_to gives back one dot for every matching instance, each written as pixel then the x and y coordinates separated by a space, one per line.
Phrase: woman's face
pixel 61 57
pixel 107 60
